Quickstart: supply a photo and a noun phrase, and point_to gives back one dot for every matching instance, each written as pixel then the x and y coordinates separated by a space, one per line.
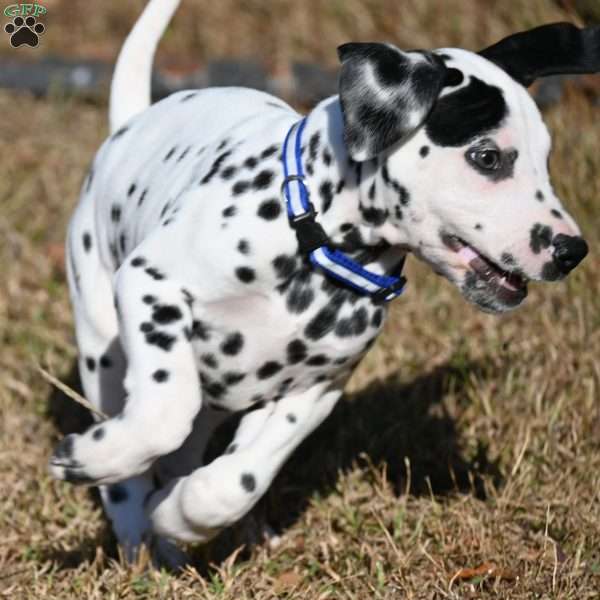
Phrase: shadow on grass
pixel 385 422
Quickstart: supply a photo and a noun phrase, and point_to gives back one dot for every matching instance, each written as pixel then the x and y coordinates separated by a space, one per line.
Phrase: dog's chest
pixel 255 349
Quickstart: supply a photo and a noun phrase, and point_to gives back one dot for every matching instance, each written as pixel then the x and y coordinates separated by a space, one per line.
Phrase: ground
pixel 464 461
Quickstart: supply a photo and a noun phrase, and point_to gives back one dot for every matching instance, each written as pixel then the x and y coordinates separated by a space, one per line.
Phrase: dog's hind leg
pixel 197 507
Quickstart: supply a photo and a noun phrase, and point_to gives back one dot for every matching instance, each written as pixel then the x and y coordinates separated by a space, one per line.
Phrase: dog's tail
pixel 130 87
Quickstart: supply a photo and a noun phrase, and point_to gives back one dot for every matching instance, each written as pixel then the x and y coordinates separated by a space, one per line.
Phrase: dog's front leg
pixel 162 386
pixel 197 507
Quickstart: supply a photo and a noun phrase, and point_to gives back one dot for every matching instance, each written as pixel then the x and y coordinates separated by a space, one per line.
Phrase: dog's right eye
pixel 487 159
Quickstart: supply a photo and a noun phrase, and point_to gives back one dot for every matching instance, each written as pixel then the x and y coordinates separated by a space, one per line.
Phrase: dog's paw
pixel 103 454
pixel 63 464
pixel 167 555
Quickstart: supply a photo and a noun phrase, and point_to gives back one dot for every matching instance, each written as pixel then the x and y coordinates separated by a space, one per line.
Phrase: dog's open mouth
pixel 488 284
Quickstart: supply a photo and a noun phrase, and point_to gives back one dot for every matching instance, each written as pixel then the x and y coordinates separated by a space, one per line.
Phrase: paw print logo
pixel 24 31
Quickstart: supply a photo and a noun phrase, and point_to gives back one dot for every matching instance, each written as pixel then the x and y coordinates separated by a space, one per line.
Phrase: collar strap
pixel 312 239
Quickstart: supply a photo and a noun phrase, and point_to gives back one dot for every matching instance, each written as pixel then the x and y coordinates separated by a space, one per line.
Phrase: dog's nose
pixel 569 251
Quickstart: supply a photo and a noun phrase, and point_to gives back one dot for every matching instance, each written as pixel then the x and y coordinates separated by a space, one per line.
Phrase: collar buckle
pixel 389 293
pixel 309 232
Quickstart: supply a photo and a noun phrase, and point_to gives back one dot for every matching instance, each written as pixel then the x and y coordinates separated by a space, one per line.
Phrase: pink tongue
pixel 467 254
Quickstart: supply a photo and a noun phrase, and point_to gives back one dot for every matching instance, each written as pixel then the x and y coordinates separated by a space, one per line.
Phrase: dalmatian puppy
pixel 197 293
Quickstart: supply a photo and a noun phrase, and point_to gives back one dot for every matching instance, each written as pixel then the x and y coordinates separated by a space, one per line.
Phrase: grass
pixel 465 442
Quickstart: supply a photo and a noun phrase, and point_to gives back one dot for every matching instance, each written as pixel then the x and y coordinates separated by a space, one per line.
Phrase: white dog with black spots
pixel 192 299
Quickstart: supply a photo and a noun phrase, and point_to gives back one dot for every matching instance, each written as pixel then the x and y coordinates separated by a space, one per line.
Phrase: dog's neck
pixel 349 196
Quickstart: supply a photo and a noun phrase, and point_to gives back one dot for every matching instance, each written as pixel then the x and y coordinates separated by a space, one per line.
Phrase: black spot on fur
pixel 138 261
pixel 98 433
pixel 478 226
pixel 229 211
pixel 318 360
pixel 209 360
pixel 215 389
pixel 263 180
pixel 556 213
pixel 232 344
pixel 148 299
pixel 215 167
pixel 184 154
pixel 284 266
pixel 239 187
pixel 155 273
pixel 469 112
pixel 291 418
pixel 326 193
pixel 354 325
pixel 248 482
pixel 161 340
pixel 296 352
pixel 424 151
pixel 540 237
pixel 131 190
pixel 539 195
pixel 233 377
pixel 269 369
pixel 269 209
pixel 374 216
pixel 299 298
pixel 340 186
pixel 146 327
pixel 160 376
pixel 268 152
pixel 105 362
pixel 87 241
pixel 188 96
pixel 117 493
pixel 250 162
pixel 243 247
pixel 165 208
pixel 170 153
pixel 199 331
pixel 377 318
pixel 231 448
pixel 142 197
pixel 245 274
pixel 323 322
pixel 326 157
pixel 90 363
pixel 123 243
pixel 188 298
pixel 313 146
pixel 228 172
pixel 115 213
pixel 166 314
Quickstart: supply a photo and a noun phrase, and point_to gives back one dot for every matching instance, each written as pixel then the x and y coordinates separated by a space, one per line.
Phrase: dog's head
pixel 464 155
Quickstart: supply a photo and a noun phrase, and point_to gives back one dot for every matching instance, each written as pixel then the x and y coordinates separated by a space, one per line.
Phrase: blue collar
pixel 312 239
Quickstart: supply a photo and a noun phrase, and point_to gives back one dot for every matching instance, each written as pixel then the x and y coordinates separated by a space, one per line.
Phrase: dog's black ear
pixel 547 50
pixel 385 94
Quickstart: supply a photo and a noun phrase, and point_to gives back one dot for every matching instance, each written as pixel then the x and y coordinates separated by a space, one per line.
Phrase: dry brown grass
pixel 466 439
